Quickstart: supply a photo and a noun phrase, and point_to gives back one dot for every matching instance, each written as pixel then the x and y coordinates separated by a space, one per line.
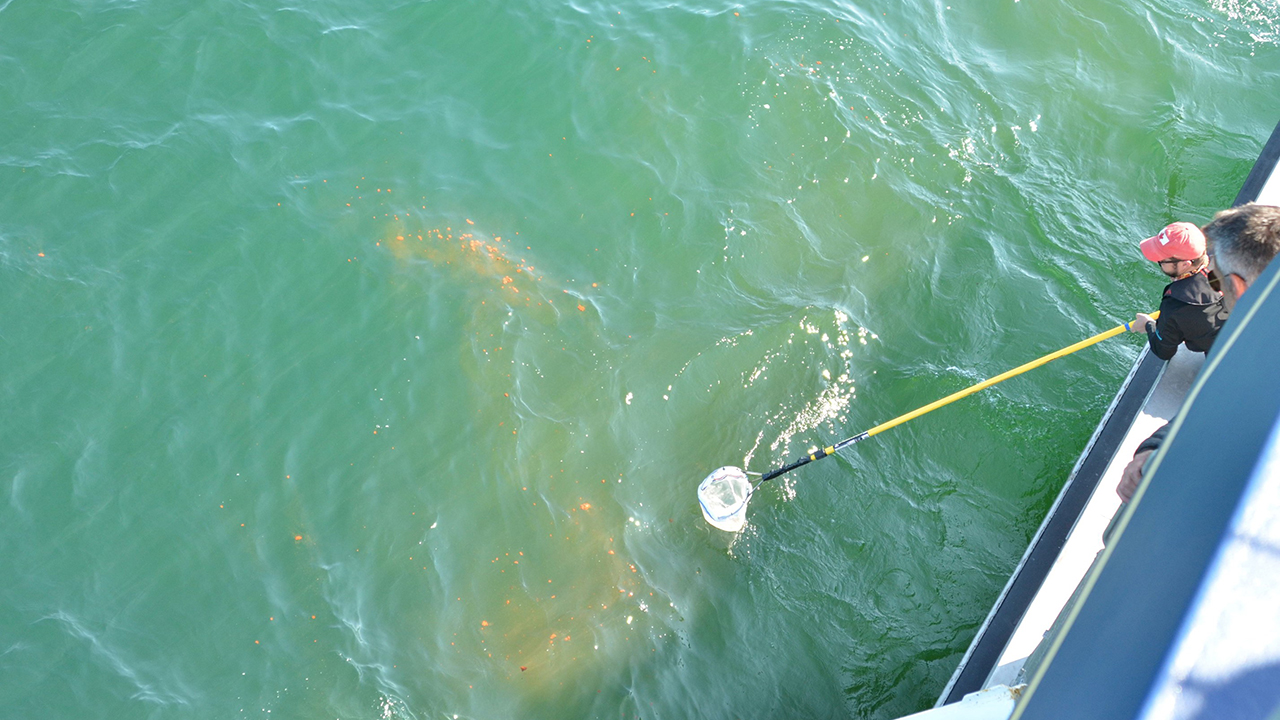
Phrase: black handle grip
pixel 788 468
pixel 821 453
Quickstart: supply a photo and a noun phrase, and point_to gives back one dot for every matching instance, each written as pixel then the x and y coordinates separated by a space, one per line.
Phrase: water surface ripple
pixel 360 359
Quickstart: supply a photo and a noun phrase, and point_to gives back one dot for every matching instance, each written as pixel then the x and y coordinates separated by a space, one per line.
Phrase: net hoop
pixel 726 482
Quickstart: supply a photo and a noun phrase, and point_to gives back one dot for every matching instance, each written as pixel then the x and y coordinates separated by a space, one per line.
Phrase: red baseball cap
pixel 1181 240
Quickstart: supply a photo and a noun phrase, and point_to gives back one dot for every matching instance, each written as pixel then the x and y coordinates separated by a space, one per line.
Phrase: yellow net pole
pixel 1001 377
pixel 831 449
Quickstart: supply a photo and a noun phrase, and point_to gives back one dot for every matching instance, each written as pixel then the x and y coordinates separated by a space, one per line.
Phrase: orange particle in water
pixel 40 254
pixel 297 537
pixel 470 223
pixel 585 506
pixel 553 636
pixel 595 284
pixel 581 308
pixel 523 668
pixel 400 237
pixel 484 623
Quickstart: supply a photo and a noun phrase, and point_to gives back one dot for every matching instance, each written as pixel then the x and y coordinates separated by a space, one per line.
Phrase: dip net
pixel 723 496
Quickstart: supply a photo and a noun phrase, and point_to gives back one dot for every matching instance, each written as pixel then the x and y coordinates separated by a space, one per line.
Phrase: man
pixel 1190 310
pixel 1241 243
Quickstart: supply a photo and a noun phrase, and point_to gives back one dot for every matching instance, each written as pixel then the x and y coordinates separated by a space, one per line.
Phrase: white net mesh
pixel 723 496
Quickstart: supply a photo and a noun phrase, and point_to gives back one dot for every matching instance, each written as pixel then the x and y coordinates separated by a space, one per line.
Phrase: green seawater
pixel 361 359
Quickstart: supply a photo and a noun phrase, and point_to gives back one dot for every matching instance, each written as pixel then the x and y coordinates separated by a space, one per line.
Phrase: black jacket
pixel 1155 441
pixel 1192 312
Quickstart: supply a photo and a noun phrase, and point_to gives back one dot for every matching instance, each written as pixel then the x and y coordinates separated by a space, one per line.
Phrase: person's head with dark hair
pixel 1242 242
